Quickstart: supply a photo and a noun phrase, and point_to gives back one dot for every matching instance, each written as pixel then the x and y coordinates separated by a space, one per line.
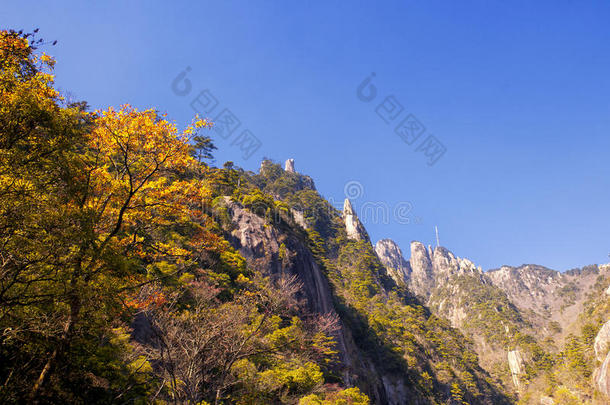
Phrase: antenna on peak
pixel 436 230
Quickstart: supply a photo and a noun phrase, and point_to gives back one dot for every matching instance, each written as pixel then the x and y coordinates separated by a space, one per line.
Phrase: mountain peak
pixel 353 226
pixel 289 166
pixel 392 258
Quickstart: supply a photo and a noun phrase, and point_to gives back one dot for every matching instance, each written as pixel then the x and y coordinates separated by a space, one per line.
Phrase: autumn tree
pixel 204 348
pixel 83 197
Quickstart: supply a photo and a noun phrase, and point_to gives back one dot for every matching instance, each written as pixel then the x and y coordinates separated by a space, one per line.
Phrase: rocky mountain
pixel 531 286
pixel 389 344
pixel 523 322
pixel 354 228
pixel 548 295
pixel 459 291
pixel 392 258
pixel 426 269
pixel 528 323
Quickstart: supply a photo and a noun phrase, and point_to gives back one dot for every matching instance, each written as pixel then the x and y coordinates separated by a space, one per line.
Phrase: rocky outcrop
pixel 547 295
pixel 601 346
pixel 392 258
pixel 422 273
pixel 447 265
pixel 260 245
pixel 433 268
pixel 353 226
pixel 299 218
pixel 529 286
pixel 289 166
pixel 515 363
pixel 602 342
pixel 602 377
pixel 292 180
pixel 259 242
pixel 426 269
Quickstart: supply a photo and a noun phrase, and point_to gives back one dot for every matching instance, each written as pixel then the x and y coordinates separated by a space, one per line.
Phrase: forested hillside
pixel 117 284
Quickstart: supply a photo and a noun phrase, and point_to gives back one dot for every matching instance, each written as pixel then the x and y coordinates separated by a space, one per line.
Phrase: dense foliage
pixel 116 281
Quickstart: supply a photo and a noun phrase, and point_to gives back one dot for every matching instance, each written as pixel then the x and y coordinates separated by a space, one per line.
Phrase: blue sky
pixel 517 92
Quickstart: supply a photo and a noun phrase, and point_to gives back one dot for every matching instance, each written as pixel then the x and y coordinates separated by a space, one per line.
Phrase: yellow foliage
pixel 349 396
pixel 140 365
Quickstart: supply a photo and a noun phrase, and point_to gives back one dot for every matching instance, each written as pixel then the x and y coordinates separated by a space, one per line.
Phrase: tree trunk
pixel 61 346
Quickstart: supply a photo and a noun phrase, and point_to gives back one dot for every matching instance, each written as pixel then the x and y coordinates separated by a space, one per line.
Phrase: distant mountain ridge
pixel 524 334
pixel 512 313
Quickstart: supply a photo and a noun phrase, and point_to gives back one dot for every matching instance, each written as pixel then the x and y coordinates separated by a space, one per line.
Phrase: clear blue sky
pixel 518 93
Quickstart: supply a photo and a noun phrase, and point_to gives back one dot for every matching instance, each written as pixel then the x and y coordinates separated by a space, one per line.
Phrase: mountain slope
pixel 392 347
pixel 533 327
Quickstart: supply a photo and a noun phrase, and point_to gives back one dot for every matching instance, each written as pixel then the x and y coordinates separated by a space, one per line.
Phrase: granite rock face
pixel 289 166
pixel 547 295
pixel 426 269
pixel 602 377
pixel 431 268
pixel 602 342
pixel 392 258
pixel 259 243
pixel 353 226
pixel 446 264
pixel 601 346
pixel 299 218
pixel 530 286
pixel 422 273
pixel 515 363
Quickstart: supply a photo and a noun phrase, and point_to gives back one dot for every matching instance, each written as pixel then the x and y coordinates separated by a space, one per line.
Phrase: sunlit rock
pixel 515 363
pixel 353 226
pixel 392 258
pixel 289 166
pixel 602 342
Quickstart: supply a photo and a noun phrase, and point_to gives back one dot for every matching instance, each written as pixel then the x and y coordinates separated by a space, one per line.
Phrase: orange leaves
pixel 139 140
pixel 14 50
pixel 135 160
pixel 19 65
pixel 146 189
pixel 46 59
pixel 197 124
pixel 152 301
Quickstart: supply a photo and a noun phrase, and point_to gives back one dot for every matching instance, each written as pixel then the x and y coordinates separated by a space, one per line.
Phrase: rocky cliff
pixel 260 244
pixel 391 256
pixel 353 226
pixel 389 344
pixel 426 269
pixel 289 166
pixel 602 354
pixel 548 296
pixel 515 363
pixel 392 343
pixel 279 251
pixel 529 286
pixel 510 313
